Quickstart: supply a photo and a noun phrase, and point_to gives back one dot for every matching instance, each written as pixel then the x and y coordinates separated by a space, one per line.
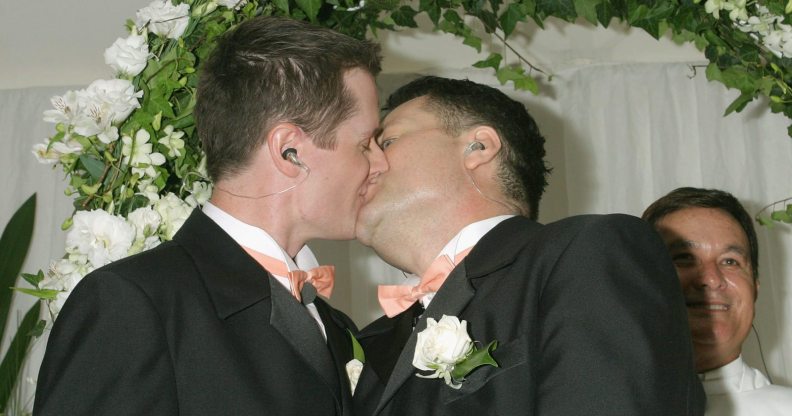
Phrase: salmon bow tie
pixel 320 279
pixel 395 299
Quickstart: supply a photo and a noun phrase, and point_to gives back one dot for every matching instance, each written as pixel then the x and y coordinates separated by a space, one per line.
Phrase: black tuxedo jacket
pixel 192 327
pixel 589 317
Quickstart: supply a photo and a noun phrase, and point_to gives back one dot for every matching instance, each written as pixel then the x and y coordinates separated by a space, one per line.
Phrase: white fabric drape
pixel 618 137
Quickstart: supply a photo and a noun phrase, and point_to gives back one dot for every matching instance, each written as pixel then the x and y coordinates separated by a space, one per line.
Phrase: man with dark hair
pixel 586 311
pixel 713 245
pixel 223 320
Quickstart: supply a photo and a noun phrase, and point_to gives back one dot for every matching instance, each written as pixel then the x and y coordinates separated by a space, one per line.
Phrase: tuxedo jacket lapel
pixel 292 320
pixel 451 299
pixel 235 281
pixel 340 347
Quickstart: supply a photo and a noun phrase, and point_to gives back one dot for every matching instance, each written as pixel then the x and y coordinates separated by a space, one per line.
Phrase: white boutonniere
pixel 445 348
pixel 355 366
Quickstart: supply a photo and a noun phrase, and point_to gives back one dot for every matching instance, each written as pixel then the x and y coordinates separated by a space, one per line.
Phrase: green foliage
pixel 29 328
pixel 737 59
pixel 14 245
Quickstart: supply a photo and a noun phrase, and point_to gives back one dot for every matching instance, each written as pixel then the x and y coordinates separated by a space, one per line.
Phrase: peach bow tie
pixel 322 278
pixel 395 299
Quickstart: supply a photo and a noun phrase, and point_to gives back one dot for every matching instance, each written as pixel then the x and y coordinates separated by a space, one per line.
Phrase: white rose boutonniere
pixel 355 366
pixel 445 348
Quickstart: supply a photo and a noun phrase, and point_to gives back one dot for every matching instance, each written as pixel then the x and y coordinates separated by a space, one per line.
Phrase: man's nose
pixel 710 275
pixel 377 162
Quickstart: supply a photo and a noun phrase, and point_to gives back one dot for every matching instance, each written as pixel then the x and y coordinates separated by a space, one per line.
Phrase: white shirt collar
pixel 259 240
pixel 734 377
pixel 466 238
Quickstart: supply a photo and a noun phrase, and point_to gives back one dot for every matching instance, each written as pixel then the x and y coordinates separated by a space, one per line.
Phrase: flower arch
pixel 132 157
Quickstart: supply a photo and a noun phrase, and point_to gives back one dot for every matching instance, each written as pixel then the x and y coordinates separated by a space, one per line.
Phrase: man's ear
pixel 483 146
pixel 281 137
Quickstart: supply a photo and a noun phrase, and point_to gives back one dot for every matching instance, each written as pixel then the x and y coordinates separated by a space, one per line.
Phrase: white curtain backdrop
pixel 618 137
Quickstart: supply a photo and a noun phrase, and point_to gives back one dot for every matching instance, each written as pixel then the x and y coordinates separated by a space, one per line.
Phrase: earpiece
pixel 472 146
pixel 290 154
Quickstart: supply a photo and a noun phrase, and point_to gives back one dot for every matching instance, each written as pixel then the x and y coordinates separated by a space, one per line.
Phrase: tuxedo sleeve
pixel 614 338
pixel 107 354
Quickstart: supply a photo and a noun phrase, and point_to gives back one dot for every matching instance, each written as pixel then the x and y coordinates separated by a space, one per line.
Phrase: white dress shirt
pixel 736 389
pixel 465 239
pixel 259 240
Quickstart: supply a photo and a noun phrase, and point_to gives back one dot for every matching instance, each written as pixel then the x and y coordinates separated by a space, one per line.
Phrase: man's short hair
pixel 688 197
pixel 463 104
pixel 270 70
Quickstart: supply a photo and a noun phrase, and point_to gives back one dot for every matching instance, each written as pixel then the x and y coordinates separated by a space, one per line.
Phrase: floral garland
pixel 132 157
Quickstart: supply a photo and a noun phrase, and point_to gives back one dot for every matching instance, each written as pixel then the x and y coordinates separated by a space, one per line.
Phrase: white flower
pixel 232 4
pixel 146 222
pixel 172 141
pixel 163 18
pixel 100 236
pixel 138 154
pixel 63 275
pixel 105 102
pixel 174 212
pixel 116 96
pixel 353 369
pixel 199 194
pixel 149 190
pixel 65 108
pixel 441 345
pixel 54 152
pixel 128 56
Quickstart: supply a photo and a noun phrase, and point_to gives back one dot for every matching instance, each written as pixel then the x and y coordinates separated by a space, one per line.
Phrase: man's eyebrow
pixel 679 244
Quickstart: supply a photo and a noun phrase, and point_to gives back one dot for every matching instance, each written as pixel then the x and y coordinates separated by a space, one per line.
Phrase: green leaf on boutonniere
pixel 476 359
pixel 357 349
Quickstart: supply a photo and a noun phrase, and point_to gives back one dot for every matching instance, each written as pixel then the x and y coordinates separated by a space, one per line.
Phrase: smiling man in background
pixel 713 244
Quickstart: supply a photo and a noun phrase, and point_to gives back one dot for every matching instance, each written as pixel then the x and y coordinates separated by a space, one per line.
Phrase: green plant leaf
pixel 518 77
pixel 587 9
pixel 477 358
pixel 48 294
pixel 15 356
pixel 357 349
pixel 514 14
pixel 739 103
pixel 14 244
pixel 94 166
pixel 493 61
pixel 310 7
pixel 33 279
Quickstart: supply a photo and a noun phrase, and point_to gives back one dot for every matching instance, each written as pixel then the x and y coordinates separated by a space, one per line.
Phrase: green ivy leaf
pixel 473 41
pixel 518 78
pixel 514 14
pixel 493 61
pixel 587 9
pixel 310 7
pixel 404 16
pixel 739 103
pixel 714 73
